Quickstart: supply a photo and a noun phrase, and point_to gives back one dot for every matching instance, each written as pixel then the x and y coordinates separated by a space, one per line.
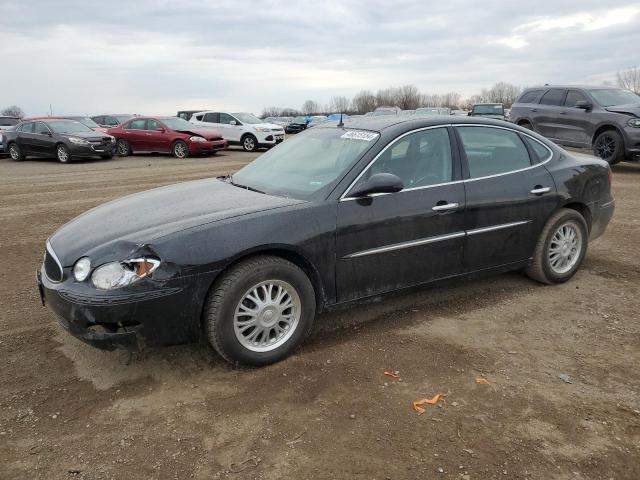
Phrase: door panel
pixel 25 139
pixel 156 141
pixel 576 122
pixel 134 133
pixel 548 118
pixel 43 143
pixel 390 241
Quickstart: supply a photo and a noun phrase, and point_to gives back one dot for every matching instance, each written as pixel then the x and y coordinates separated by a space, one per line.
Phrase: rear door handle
pixel 562 112
pixel 538 190
pixel 534 109
pixel 445 206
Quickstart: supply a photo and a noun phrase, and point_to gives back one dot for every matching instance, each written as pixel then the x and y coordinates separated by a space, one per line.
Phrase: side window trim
pixel 37 127
pixel 464 155
pixel 455 159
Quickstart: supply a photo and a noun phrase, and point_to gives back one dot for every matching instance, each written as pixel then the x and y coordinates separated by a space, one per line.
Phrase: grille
pixel 52 268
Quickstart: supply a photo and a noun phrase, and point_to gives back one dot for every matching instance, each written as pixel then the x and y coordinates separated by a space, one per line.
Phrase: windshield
pixel 8 122
pixel 85 121
pixel 68 126
pixel 247 118
pixel 309 164
pixel 614 96
pixel 490 109
pixel 175 123
pixel 122 118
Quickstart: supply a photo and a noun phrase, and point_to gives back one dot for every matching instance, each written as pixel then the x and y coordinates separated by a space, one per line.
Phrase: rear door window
pixel 226 119
pixel 553 97
pixel 138 124
pixel 42 129
pixel 28 127
pixel 211 117
pixel 153 125
pixel 492 151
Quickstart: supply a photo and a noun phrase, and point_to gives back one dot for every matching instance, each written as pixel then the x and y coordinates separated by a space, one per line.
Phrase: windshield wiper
pixel 229 178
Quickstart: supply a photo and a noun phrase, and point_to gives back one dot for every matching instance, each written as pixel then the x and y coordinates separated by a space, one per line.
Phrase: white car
pixel 241 129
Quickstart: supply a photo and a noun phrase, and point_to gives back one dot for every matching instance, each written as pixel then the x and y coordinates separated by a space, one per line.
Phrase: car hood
pixel 269 125
pixel 140 218
pixel 208 134
pixel 631 109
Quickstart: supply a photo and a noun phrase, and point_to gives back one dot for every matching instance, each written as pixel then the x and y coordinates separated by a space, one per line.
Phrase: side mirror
pixel 378 183
pixel 583 105
pixel 233 122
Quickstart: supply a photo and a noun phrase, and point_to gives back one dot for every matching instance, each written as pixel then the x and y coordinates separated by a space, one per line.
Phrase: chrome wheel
pixel 564 248
pixel 180 150
pixel 267 315
pixel 249 144
pixel 123 148
pixel 14 152
pixel 63 154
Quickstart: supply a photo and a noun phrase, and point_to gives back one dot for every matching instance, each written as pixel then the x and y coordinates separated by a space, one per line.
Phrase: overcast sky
pixel 156 56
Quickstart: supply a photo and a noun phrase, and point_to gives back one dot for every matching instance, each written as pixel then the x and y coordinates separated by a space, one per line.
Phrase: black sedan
pixel 336 215
pixel 63 139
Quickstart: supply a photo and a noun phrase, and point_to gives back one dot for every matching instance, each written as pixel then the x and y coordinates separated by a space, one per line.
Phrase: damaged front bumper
pixel 165 314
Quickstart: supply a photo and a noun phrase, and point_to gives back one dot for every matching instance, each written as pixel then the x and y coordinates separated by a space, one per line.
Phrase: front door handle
pixel 445 206
pixel 562 112
pixel 534 109
pixel 539 190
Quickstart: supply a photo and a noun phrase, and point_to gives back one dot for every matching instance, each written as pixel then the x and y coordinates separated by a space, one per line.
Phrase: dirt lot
pixel 69 411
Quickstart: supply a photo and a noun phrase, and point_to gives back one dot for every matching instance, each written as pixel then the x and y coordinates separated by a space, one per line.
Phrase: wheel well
pixel 246 134
pixel 583 210
pixel 604 128
pixel 523 121
pixel 299 260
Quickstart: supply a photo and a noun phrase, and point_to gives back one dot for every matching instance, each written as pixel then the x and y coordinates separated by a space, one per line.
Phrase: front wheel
pixel 609 146
pixel 560 249
pixel 180 149
pixel 259 311
pixel 250 143
pixel 123 148
pixel 63 154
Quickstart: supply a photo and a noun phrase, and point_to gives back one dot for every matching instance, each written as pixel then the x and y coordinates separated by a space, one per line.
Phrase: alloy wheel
pixel 267 315
pixel 249 144
pixel 13 151
pixel 605 147
pixel 564 248
pixel 180 150
pixel 63 155
pixel 123 149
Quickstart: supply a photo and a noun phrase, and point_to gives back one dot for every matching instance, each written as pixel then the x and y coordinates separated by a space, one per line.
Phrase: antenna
pixel 341 123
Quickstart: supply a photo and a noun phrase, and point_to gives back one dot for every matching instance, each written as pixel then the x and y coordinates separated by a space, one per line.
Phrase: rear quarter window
pixel 541 152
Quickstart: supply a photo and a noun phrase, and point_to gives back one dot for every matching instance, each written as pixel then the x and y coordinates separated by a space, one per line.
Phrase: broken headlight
pixel 120 274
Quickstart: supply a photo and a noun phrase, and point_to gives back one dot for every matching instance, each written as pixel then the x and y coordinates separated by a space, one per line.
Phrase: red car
pixel 165 135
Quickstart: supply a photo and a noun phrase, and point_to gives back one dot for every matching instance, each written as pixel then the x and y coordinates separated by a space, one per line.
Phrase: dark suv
pixel 605 119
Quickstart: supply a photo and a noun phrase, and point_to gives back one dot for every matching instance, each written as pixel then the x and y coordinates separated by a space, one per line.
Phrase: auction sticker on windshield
pixel 360 135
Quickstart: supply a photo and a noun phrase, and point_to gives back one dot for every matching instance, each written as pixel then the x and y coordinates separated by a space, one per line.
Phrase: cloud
pixel 160 56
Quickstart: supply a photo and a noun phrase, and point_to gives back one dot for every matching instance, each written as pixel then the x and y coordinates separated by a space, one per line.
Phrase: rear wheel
pixel 180 149
pixel 15 153
pixel 560 249
pixel 259 311
pixel 123 148
pixel 62 153
pixel 609 146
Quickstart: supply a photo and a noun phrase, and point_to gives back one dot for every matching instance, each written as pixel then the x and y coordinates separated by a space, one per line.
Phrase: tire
pixel 228 310
pixel 249 143
pixel 526 125
pixel 62 153
pixel 542 267
pixel 15 152
pixel 609 146
pixel 123 148
pixel 180 149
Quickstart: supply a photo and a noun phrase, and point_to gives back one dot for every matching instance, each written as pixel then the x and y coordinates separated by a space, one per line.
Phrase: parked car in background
pixel 433 111
pixel 316 120
pixel 297 125
pixel 605 119
pixel 459 113
pixel 6 123
pixel 243 129
pixel 407 113
pixel 109 121
pixel 166 135
pixel 334 216
pixel 488 110
pixel 282 121
pixel 63 139
pixel 187 114
pixel 385 111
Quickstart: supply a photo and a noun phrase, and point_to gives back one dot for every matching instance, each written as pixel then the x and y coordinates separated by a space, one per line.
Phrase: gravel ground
pixel 562 399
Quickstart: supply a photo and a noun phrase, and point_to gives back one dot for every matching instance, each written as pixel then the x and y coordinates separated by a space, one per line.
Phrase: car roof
pixel 589 87
pixel 386 121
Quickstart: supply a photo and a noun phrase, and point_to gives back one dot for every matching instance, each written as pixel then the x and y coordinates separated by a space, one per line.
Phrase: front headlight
pixel 262 129
pixel 81 269
pixel 634 122
pixel 120 274
pixel 78 141
pixel 197 139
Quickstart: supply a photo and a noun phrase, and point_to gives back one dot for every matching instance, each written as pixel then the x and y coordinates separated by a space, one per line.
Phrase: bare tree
pixel 339 104
pixel 387 97
pixel 501 92
pixel 364 101
pixel 13 111
pixel 407 97
pixel 310 107
pixel 629 79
